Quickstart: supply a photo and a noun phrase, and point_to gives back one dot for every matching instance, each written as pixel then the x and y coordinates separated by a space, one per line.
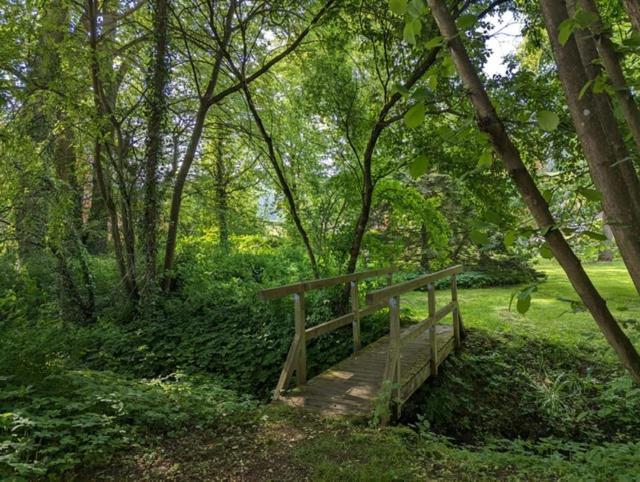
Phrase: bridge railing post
pixel 300 322
pixel 433 338
pixel 394 349
pixel 456 311
pixel 355 308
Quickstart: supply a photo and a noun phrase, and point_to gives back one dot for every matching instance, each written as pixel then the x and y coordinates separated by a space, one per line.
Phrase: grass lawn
pixel 548 318
pixel 535 397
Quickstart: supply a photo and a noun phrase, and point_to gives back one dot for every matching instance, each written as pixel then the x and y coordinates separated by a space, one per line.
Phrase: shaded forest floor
pixel 535 397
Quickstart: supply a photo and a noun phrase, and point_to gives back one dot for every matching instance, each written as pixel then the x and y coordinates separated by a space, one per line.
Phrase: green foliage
pixel 548 120
pixel 414 116
pixel 399 7
pixel 419 166
pixel 83 417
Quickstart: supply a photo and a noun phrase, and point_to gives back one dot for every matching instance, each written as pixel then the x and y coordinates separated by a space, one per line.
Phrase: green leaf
pixel 584 89
pixel 432 80
pixel 547 120
pixel 486 159
pixel 434 42
pixel 585 18
pixel 448 66
pixel 401 89
pixel 399 7
pixel 546 229
pixel 416 26
pixel 479 237
pixel 523 304
pixel 545 251
pixel 565 30
pixel 414 116
pixel 465 22
pixel 408 35
pixel 633 41
pixel 445 132
pixel 594 235
pixel 419 166
pixel 547 194
pixel 510 238
pixel 590 194
pixel 416 8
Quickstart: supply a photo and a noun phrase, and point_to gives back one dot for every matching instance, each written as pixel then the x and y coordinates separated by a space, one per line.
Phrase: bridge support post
pixel 394 348
pixel 300 321
pixel 433 337
pixel 355 308
pixel 456 312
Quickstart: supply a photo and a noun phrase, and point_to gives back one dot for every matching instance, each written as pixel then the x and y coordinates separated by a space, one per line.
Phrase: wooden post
pixel 433 338
pixel 300 317
pixel 355 308
pixel 394 346
pixel 389 279
pixel 456 311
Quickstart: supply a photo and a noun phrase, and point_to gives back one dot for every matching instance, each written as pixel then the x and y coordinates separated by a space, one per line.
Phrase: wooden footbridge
pixel 388 370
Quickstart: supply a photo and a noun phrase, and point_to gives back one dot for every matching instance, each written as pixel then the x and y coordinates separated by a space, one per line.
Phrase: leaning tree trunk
pixel 611 63
pixel 489 122
pixel 600 139
pixel 282 181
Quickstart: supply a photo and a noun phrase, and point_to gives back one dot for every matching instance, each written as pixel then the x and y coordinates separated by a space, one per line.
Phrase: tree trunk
pixel 209 99
pixel 606 254
pixel 194 141
pixel 489 122
pixel 599 139
pixel 155 123
pixel 102 101
pixel 222 196
pixel 282 181
pixel 633 10
pixel 621 158
pixel 97 226
pixel 611 63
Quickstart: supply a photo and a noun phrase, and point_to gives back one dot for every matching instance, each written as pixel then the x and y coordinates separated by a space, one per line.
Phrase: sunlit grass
pixel 548 318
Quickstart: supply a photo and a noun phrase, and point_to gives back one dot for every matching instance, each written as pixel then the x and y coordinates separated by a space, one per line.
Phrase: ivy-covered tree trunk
pixel 156 106
pixel 96 229
pixel 490 123
pixel 62 225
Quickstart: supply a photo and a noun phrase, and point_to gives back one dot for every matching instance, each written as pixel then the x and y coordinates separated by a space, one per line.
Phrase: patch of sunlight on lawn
pixel 548 318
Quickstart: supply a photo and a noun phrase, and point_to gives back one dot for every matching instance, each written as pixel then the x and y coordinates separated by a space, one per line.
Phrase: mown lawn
pixel 549 318
pixel 535 397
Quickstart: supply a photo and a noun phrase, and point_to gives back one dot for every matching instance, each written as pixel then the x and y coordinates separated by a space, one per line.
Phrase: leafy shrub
pixel 215 323
pixel 83 417
pixel 504 386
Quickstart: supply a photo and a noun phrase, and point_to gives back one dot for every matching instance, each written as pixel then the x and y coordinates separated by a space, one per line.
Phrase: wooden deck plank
pixel 350 386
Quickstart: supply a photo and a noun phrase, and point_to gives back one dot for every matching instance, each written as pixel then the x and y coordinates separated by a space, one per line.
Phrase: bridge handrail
pixel 297 356
pixel 301 287
pixel 383 294
pixel 391 295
